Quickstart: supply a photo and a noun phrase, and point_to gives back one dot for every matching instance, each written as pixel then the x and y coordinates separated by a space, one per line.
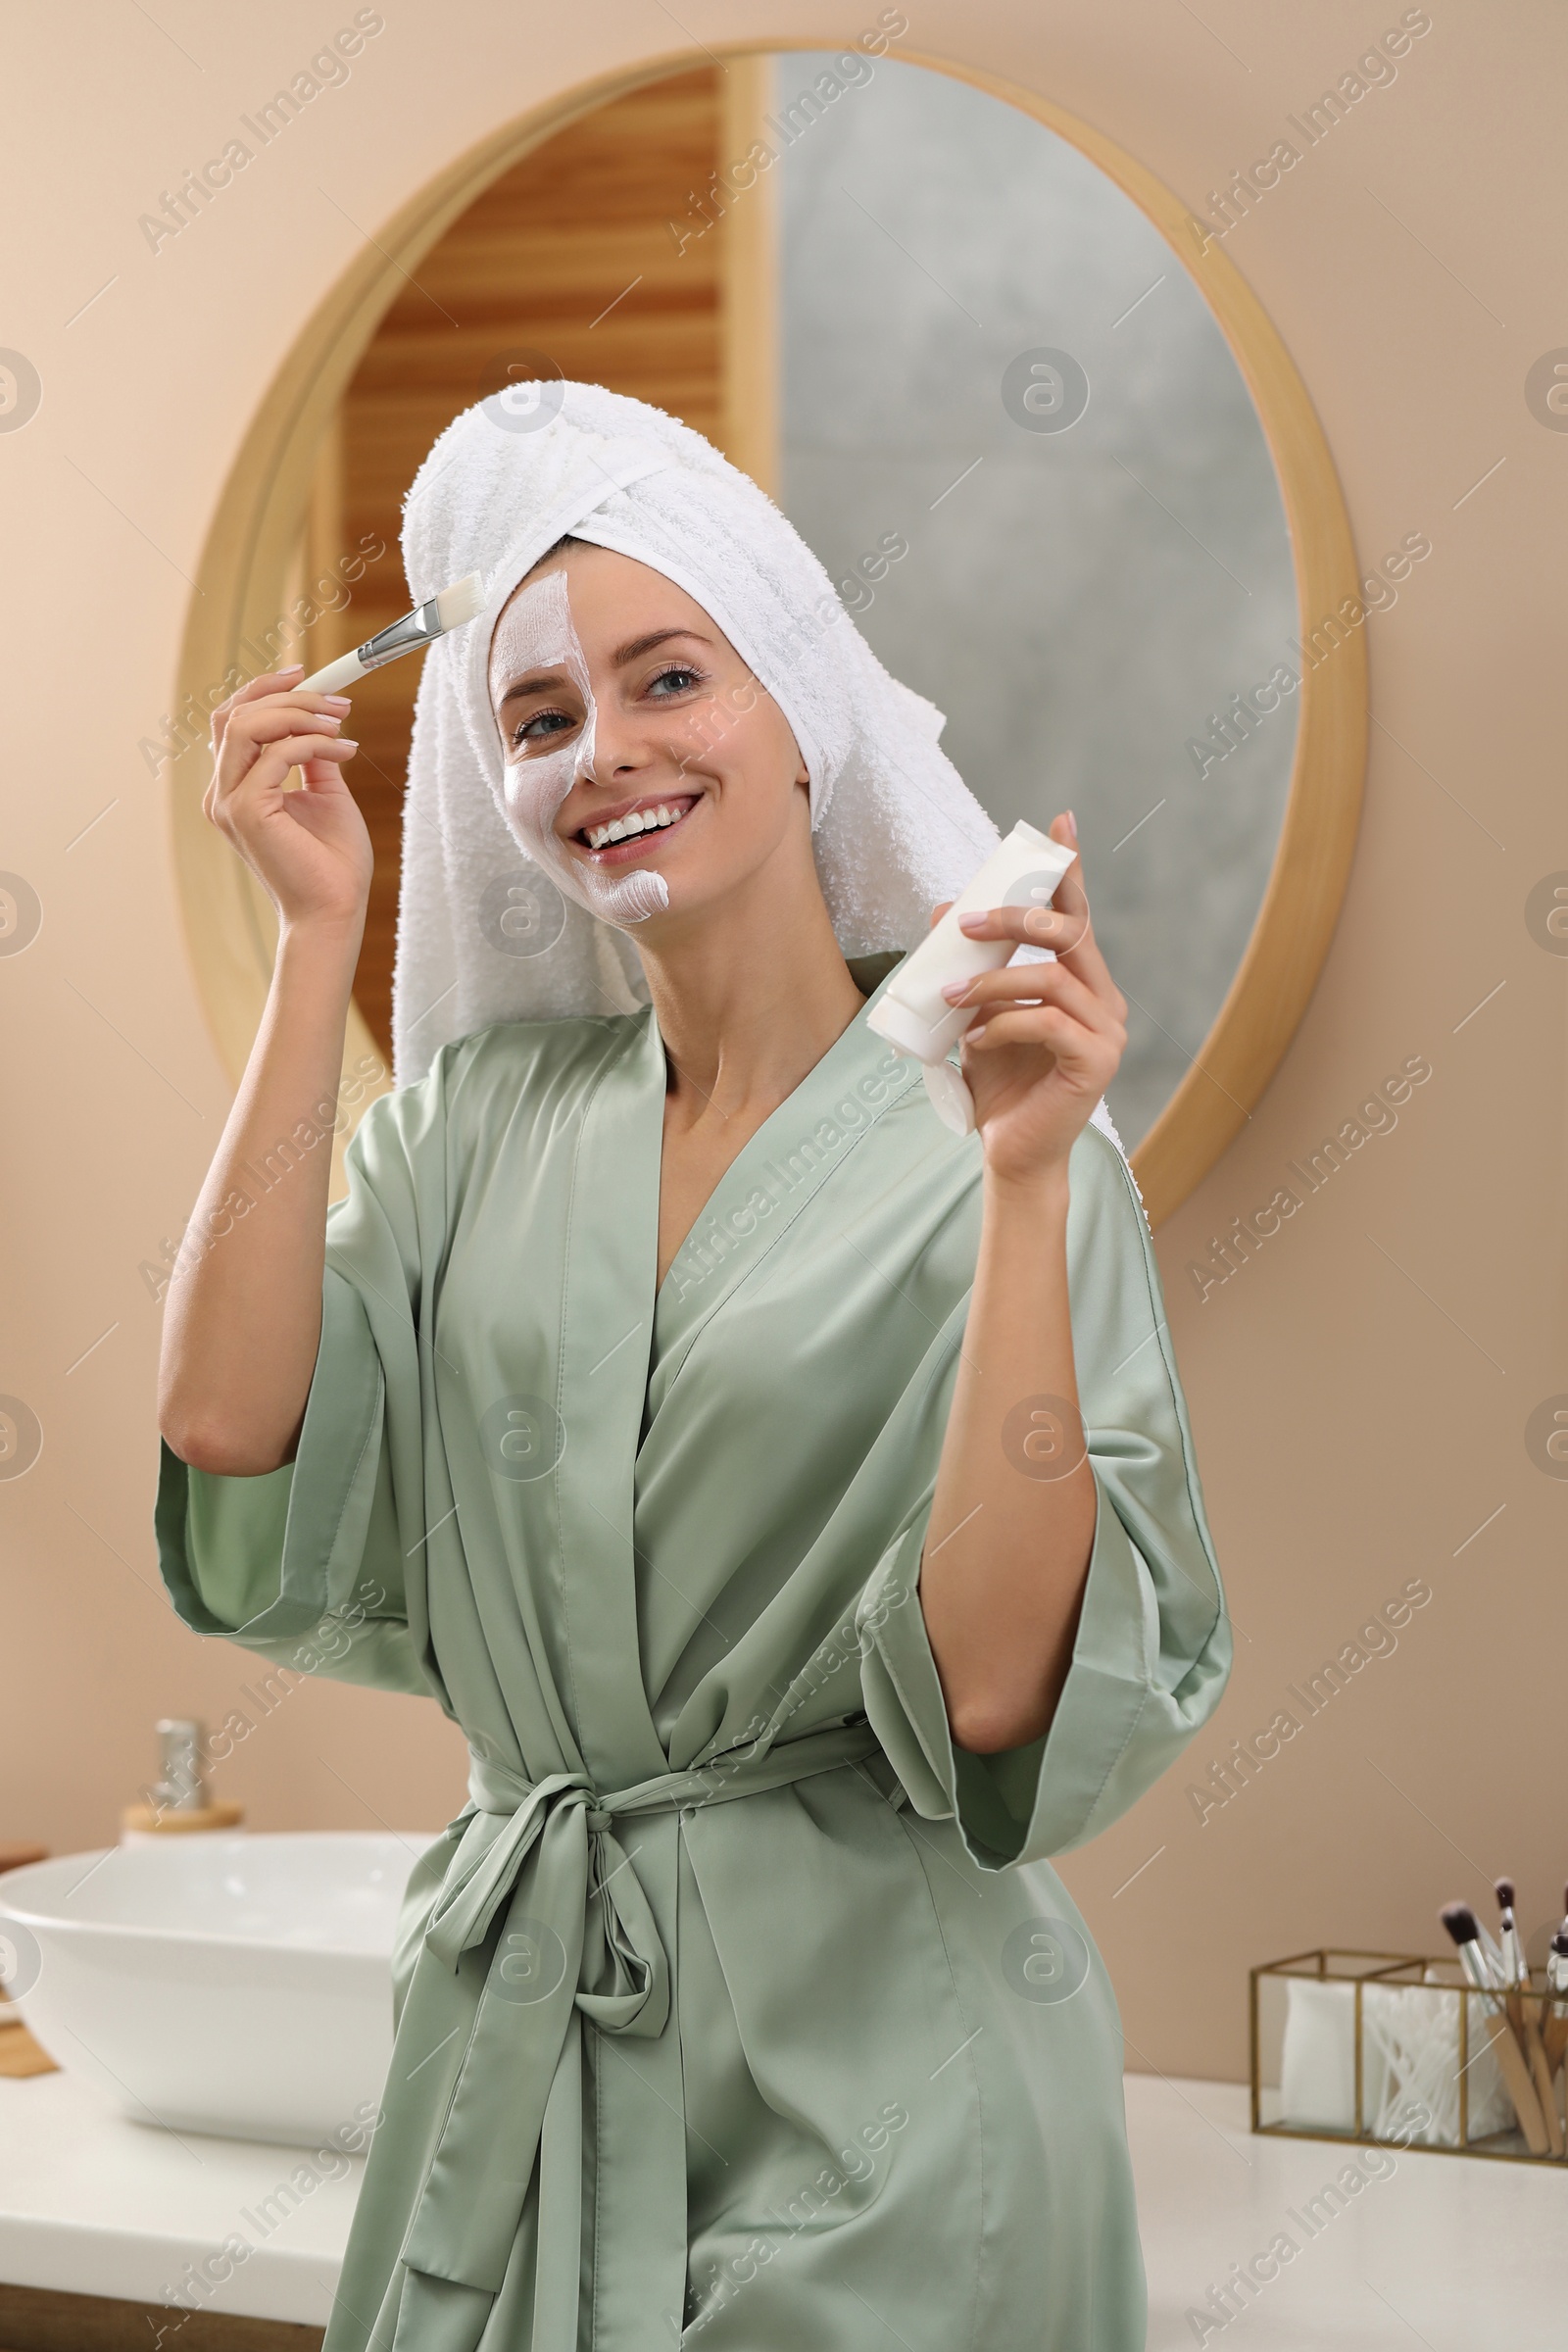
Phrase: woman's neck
pixel 749 1003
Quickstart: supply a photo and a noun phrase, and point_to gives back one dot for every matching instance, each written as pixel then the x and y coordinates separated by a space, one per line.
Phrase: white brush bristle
pixel 461 602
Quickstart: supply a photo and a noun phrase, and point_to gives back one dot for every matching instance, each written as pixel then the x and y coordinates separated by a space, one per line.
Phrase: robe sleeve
pixel 1153 1647
pixel 307 1564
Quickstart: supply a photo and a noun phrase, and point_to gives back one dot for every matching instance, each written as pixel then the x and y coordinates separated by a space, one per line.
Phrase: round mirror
pixel 1019 402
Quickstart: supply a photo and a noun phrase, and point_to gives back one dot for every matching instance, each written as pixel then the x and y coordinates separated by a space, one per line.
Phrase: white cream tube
pixel 913 1015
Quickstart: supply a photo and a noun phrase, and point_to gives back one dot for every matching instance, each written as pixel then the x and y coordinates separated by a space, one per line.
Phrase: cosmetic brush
pixel 1515 1967
pixel 1554 2032
pixel 1463 1925
pixel 1525 2014
pixel 416 629
pixel 1491 1953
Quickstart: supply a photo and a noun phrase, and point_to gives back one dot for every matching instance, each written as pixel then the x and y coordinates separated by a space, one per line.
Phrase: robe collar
pixel 611 1317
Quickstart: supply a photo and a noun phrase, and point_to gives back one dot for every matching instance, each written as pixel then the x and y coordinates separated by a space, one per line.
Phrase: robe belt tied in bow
pixel 549 1848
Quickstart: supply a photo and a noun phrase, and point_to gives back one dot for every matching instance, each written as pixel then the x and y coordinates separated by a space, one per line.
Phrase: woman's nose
pixel 619 747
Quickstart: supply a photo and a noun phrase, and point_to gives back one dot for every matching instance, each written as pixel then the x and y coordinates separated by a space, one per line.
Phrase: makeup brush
pixel 1491 1953
pixel 1465 1929
pixel 1525 2015
pixel 1554 2024
pixel 1515 1967
pixel 416 630
pixel 1463 1926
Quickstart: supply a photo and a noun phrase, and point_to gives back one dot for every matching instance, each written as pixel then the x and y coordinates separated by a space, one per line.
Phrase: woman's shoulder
pixel 491 1073
pixel 520 1050
pixel 540 1065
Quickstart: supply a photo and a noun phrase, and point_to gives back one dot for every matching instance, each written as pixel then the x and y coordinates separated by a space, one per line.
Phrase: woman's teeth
pixel 636 820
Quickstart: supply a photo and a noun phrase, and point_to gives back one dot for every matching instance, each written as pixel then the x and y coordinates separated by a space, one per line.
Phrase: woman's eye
pixel 679 678
pixel 542 725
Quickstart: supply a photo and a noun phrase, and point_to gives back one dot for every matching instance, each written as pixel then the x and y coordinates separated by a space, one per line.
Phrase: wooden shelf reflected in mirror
pixel 565 264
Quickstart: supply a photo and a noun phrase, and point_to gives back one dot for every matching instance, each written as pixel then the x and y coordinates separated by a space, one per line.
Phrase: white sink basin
pixel 239 1984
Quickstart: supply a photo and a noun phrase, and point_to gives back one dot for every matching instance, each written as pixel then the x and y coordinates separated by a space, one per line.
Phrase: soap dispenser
pixel 178 1801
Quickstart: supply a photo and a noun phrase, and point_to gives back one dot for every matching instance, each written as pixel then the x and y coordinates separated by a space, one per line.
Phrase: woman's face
pixel 619 700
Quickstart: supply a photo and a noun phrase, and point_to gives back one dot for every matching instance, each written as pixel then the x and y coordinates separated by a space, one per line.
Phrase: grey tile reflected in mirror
pixel 1084 584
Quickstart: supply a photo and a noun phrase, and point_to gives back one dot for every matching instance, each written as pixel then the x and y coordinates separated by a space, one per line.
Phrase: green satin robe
pixel 738 2008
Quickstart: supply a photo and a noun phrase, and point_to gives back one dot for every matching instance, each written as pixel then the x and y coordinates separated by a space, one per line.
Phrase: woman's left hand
pixel 1050 1036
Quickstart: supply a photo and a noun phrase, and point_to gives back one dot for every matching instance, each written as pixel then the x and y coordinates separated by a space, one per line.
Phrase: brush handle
pixel 344 672
pixel 1516 2075
pixel 1540 2075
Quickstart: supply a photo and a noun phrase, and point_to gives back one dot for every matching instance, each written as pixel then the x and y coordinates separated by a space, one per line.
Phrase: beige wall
pixel 1359 1392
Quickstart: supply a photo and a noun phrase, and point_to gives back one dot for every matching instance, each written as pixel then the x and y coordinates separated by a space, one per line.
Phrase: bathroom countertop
pixel 1445 2252
pixel 94 2204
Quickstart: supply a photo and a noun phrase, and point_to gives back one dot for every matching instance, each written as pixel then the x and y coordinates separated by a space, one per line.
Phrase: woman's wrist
pixel 1029 1194
pixel 321 943
pixel 308 1003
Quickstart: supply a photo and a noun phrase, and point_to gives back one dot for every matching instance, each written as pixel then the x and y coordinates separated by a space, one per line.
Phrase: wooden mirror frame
pixel 244 575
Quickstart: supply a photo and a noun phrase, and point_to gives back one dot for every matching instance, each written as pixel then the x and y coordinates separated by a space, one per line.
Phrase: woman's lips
pixel 636 845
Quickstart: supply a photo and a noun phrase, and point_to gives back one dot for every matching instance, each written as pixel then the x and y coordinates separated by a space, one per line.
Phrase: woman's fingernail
pixel 337 702
pixel 972 922
pixel 346 743
pixel 953 989
pixel 290 669
pixel 1072 824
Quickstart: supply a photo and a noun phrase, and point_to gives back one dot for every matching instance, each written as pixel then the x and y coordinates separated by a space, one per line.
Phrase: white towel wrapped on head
pixel 895 828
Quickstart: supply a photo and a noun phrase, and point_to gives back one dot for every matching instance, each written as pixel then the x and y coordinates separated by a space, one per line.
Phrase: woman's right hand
pixel 309 849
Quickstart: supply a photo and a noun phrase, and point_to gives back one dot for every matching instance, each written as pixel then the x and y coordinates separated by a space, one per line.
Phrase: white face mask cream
pixel 536 632
pixel 912 1013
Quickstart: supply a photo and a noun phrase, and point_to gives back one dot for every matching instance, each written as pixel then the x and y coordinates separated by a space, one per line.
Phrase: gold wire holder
pixel 1531 2018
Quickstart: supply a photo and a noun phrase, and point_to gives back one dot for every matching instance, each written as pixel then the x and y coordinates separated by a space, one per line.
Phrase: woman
pixel 698 1420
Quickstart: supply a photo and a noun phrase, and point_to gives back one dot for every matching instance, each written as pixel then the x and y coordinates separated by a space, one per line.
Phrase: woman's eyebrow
pixel 533 682
pixel 636 646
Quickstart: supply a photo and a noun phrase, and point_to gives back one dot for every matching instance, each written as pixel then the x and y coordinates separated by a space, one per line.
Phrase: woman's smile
pixel 622 835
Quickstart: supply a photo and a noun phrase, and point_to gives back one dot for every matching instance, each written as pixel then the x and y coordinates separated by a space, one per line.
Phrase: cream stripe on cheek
pixel 536 632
